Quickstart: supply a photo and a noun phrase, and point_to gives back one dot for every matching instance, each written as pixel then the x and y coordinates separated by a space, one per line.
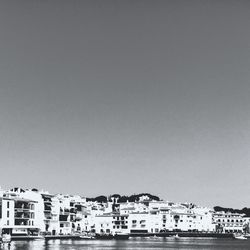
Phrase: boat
pixel 176 236
pixel 116 236
pixel 240 237
pixel 104 236
pixel 121 236
pixel 87 236
pixel 154 237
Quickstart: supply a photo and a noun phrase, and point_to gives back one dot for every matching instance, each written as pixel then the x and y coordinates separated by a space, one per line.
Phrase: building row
pixel 33 212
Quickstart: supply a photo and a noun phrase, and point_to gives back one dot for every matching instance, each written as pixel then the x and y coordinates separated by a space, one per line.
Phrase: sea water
pixel 133 243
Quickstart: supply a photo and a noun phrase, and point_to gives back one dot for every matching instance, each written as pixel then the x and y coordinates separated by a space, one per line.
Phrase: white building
pixel 18 214
pixel 228 222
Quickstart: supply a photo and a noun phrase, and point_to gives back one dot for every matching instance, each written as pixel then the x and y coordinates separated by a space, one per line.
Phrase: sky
pixel 104 97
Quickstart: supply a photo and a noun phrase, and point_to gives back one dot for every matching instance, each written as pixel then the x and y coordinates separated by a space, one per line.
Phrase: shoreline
pixel 131 235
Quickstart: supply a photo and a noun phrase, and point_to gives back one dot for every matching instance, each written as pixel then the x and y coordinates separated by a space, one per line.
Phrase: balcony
pixel 20 210
pixel 47 207
pixel 22 205
pixel 48 217
pixel 23 217
pixel 21 223
pixel 64 212
pixel 63 218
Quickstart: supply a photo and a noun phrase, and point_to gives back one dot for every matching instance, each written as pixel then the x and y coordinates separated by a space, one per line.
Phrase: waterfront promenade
pixel 131 236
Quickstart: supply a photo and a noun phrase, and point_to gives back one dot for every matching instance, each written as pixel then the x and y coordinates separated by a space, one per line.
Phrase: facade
pixel 228 222
pixel 18 214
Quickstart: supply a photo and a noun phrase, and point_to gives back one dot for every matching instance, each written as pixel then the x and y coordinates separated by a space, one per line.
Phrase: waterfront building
pixel 18 214
pixel 138 222
pixel 70 209
pixel 206 224
pixel 228 222
pixel 159 217
pixel 111 223
pixel 186 221
pixel 103 224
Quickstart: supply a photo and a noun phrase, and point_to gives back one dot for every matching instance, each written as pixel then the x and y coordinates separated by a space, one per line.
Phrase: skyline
pixel 127 97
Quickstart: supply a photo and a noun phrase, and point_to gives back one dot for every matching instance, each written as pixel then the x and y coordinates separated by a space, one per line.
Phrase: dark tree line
pixel 244 210
pixel 123 198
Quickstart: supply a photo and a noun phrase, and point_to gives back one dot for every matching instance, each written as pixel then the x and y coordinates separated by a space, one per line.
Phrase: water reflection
pixel 134 243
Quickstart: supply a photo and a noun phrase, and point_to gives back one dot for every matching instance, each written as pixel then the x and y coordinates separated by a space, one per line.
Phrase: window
pixel 8 214
pixel 8 204
pixel 8 222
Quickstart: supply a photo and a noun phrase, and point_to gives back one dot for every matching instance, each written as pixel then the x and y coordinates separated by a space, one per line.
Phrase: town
pixel 30 212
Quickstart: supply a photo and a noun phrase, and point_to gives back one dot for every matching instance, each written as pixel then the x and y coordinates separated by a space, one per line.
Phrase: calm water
pixel 134 243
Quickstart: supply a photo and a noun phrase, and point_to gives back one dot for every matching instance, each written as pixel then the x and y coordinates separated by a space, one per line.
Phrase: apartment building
pixel 228 222
pixel 17 214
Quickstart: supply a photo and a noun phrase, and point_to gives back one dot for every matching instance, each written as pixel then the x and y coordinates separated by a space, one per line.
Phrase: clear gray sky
pixel 103 97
